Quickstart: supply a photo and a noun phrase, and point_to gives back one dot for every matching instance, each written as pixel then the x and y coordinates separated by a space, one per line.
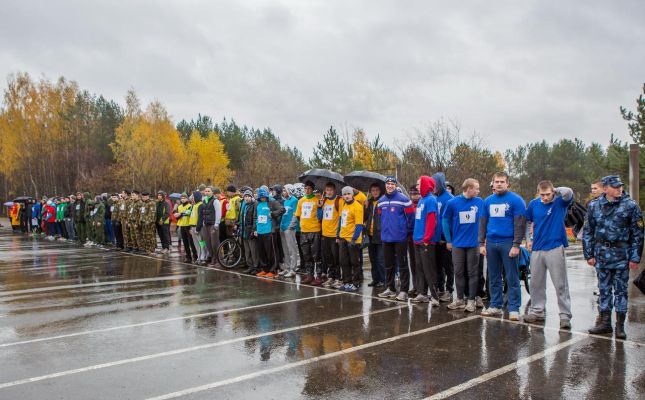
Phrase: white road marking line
pixel 189 349
pixel 585 334
pixel 82 285
pixel 306 361
pixel 503 370
pixel 114 328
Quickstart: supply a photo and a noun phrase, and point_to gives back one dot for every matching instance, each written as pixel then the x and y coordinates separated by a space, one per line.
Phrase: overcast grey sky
pixel 514 71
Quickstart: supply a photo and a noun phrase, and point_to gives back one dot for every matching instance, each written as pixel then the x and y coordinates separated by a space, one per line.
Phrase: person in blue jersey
pixel 501 231
pixel 445 270
pixel 546 215
pixel 426 236
pixel 461 228
pixel 288 232
pixel 397 215
pixel 267 214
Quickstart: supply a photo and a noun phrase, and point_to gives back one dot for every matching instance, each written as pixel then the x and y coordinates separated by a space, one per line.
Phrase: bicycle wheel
pixel 229 253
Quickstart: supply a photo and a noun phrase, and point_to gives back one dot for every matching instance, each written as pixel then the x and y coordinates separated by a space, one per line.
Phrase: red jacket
pixel 50 214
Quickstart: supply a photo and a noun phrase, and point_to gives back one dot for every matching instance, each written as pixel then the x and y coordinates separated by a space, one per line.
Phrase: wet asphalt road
pixel 85 323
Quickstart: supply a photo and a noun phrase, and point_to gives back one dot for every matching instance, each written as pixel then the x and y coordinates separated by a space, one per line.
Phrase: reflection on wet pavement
pixel 80 323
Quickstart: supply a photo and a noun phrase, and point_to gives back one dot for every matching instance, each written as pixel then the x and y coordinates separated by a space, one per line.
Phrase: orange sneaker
pixel 269 275
pixel 261 273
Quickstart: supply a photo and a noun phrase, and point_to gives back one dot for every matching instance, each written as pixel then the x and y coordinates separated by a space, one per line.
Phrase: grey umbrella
pixel 363 180
pixel 320 178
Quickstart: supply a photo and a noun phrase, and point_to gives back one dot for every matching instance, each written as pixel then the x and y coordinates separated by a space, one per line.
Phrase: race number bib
pixel 143 210
pixel 131 210
pixel 328 212
pixel 78 207
pixel 122 207
pixel 343 218
pixel 307 210
pixel 93 213
pixel 498 210
pixel 262 219
pixel 467 217
pixel 418 211
pixel 111 208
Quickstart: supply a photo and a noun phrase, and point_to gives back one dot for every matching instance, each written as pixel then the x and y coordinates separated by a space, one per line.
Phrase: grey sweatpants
pixel 290 248
pixel 553 261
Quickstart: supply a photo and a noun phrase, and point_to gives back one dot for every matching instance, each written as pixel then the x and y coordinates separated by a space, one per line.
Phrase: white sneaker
pixel 457 304
pixel 289 274
pixel 491 312
pixel 402 296
pixel 420 299
pixel 445 297
pixel 470 306
pixel 434 302
pixel 328 282
pixel 283 272
pixel 514 316
pixel 387 294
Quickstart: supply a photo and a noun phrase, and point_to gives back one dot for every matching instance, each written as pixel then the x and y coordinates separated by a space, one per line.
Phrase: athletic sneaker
pixel 328 282
pixel 491 312
pixel 434 302
pixel 456 305
pixel 289 274
pixel 420 299
pixel 307 280
pixel 470 306
pixel 445 297
pixel 402 296
pixel 338 284
pixel 261 273
pixel 387 294
pixel 316 282
pixel 531 318
pixel 269 275
pixel 565 324
pixel 283 272
pixel 350 288
pixel 479 302
pixel 514 316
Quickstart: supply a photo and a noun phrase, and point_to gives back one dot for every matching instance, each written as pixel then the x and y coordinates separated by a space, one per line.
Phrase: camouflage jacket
pixel 147 211
pixel 133 211
pixel 98 213
pixel 613 232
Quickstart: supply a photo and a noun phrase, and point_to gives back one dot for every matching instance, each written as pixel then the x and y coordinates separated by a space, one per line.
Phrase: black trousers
pixel 445 269
pixel 413 263
pixel 466 262
pixel 330 257
pixel 118 233
pixel 425 265
pixel 163 230
pixel 310 244
pixel 267 253
pixel 350 262
pixel 189 245
pixel 393 254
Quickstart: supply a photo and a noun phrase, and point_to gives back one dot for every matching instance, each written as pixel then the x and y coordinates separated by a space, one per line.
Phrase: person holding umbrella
pixel 397 215
pixel 309 217
pixel 373 230
pixel 331 206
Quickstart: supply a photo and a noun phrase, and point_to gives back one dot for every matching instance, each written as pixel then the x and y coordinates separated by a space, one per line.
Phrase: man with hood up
pixel 276 193
pixel 415 196
pixel 246 225
pixel 268 213
pixel 397 215
pixel 445 269
pixel 426 236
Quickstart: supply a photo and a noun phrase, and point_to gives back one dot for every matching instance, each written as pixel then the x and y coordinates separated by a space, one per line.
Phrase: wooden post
pixel 634 179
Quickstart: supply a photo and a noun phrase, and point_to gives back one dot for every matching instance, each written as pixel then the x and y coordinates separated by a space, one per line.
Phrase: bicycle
pixel 229 252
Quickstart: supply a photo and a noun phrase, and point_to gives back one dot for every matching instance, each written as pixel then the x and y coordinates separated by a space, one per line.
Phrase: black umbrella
pixel 363 180
pixel 320 177
pixel 22 199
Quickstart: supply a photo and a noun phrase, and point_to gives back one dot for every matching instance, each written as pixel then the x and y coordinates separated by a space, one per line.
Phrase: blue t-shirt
pixel 264 222
pixel 501 212
pixel 548 223
pixel 442 201
pixel 462 216
pixel 425 206
pixel 290 205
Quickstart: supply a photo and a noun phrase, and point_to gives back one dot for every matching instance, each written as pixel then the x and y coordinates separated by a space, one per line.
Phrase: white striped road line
pixel 307 361
pixel 578 333
pixel 503 370
pixel 115 328
pixel 82 285
pixel 190 349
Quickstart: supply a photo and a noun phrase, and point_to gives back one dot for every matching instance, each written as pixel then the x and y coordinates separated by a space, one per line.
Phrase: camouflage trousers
pixel 612 284
pixel 131 234
pixel 149 238
pixel 125 231
pixel 98 232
